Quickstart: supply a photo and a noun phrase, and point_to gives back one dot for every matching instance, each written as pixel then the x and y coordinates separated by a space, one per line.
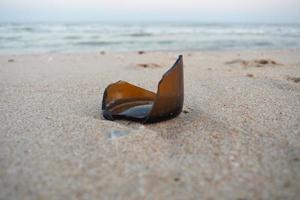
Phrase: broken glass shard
pixel 122 100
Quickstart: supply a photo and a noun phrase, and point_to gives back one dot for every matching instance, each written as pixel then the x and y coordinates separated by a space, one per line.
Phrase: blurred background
pixel 129 25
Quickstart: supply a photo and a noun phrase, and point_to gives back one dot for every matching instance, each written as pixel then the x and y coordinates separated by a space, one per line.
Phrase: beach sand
pixel 237 138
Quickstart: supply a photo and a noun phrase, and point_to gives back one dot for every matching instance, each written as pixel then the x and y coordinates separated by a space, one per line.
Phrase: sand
pixel 238 137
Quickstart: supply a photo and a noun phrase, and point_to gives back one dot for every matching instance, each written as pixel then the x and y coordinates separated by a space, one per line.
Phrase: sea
pixel 45 37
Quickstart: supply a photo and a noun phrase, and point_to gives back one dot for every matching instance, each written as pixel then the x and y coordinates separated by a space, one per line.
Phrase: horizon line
pixel 147 21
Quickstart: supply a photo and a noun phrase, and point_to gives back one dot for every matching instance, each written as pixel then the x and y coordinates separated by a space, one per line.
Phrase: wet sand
pixel 237 138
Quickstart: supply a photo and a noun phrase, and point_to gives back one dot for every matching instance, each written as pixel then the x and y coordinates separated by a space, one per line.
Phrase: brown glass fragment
pixel 122 100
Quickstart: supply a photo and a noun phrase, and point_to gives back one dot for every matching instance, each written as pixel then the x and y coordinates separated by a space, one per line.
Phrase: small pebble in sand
pixel 294 79
pixel 143 65
pixel 11 60
pixel 151 65
pixel 141 52
pixel 250 75
pixel 209 69
pixel 176 179
pixel 297 159
pixel 185 111
pixel 117 133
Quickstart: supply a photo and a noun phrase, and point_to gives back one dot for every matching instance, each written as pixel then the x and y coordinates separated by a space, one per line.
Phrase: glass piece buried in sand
pixel 122 100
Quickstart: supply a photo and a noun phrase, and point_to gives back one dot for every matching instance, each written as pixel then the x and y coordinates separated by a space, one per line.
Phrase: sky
pixel 264 11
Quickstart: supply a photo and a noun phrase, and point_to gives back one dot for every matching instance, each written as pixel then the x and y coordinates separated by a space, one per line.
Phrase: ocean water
pixel 118 37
